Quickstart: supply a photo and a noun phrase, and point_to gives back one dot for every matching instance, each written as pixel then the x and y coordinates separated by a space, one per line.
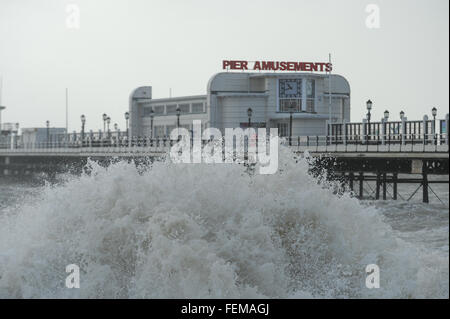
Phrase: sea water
pixel 216 231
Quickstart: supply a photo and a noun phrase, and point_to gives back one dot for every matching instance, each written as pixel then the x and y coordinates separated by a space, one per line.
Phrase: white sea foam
pixel 207 231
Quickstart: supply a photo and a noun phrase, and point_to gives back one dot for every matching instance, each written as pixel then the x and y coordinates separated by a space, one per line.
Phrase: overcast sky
pixel 123 44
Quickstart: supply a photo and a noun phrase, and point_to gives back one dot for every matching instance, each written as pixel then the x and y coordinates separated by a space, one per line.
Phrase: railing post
pixel 383 131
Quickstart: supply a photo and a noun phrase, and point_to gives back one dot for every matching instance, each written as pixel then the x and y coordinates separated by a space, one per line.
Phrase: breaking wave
pixel 207 231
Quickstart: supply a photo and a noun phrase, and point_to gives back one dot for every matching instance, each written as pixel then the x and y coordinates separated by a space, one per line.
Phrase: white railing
pixel 321 144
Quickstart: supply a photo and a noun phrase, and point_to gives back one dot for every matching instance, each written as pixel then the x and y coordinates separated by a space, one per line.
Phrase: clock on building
pixel 290 88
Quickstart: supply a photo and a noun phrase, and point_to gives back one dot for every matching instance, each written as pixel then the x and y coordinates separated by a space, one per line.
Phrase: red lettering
pixel 275 66
pixel 266 65
pixel 298 66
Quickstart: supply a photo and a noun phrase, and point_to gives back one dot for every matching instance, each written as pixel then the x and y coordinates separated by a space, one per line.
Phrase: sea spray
pixel 206 231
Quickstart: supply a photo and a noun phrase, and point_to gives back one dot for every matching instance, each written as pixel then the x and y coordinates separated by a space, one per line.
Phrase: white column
pixel 304 94
pixel 1 109
pixel 424 121
pixel 403 130
pixel 364 129
pixel 446 129
pixel 344 131
pixel 433 128
pixel 12 140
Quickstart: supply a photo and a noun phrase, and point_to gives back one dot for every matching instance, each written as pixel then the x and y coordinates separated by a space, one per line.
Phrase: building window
pixel 283 129
pixel 184 108
pixel 197 107
pixel 310 95
pixel 286 104
pixel 147 111
pixel 290 95
pixel 159 130
pixel 290 88
pixel 187 127
pixel 297 95
pixel 159 109
pixel 170 128
pixel 171 109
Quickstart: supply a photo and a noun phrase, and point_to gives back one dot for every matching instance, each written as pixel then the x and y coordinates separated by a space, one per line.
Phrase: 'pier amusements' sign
pixel 277 66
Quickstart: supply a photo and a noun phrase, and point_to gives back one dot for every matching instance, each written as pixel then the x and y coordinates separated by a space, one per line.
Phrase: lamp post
pixel 385 121
pixel 47 124
pixel 402 132
pixel 152 115
pixel 434 113
pixel 368 116
pixel 127 118
pixel 116 129
pixel 16 135
pixel 83 122
pixel 291 112
pixel 178 117
pixel 249 114
pixel 108 121
pixel 386 115
pixel 105 117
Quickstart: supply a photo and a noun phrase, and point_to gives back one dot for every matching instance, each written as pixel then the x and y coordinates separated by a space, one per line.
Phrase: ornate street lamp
pixel 83 122
pixel 116 129
pixel 105 117
pixel 178 117
pixel 291 112
pixel 434 113
pixel 368 115
pixel 127 119
pixel 152 115
pixel 108 121
pixel 385 120
pixel 402 115
pixel 47 124
pixel 249 114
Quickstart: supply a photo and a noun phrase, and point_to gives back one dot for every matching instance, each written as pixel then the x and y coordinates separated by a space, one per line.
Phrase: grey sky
pixel 123 44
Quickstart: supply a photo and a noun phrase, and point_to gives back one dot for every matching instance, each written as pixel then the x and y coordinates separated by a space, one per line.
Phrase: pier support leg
pixel 361 185
pixel 351 177
pixel 384 187
pixel 394 178
pixel 425 184
pixel 377 191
